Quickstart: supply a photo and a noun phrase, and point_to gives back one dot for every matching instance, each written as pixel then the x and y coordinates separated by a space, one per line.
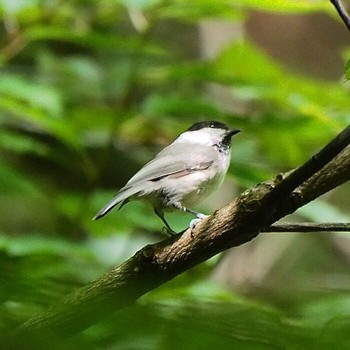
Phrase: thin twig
pixel 310 227
pixel 342 12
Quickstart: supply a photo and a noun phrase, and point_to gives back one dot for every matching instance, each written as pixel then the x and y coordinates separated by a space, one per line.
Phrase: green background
pixel 91 90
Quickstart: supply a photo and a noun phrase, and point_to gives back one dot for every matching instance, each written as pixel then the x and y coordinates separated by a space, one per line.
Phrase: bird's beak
pixel 232 132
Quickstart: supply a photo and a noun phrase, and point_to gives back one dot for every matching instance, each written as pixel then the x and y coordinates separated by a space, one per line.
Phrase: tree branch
pixel 237 223
pixel 309 168
pixel 342 12
pixel 310 227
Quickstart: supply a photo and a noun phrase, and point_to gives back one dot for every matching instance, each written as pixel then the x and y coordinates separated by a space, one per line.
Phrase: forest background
pixel 91 90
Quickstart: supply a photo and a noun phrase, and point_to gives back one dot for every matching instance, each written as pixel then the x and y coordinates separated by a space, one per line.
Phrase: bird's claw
pixel 199 218
pixel 202 216
pixel 193 224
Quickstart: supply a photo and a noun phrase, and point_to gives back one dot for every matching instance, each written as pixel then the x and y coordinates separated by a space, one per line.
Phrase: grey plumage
pixel 162 166
pixel 181 174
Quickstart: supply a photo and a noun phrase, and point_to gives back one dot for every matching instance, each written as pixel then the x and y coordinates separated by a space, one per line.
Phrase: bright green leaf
pixel 347 70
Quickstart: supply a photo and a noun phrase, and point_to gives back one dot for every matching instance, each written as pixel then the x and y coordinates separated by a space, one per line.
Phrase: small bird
pixel 182 174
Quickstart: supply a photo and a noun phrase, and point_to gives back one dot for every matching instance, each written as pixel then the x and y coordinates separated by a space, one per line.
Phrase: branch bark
pixel 239 222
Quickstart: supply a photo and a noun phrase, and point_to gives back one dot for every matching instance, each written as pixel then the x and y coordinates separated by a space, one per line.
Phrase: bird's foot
pixel 199 218
pixel 202 216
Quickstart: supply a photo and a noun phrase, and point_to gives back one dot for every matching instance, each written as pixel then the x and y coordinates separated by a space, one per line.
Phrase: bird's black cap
pixel 208 124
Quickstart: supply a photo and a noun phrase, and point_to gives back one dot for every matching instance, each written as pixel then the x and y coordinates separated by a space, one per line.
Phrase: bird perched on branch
pixel 182 174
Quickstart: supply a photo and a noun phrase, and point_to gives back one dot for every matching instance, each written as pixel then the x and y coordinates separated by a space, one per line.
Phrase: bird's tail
pixel 121 197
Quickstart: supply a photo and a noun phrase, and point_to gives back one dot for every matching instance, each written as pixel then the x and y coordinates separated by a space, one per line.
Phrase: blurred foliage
pixel 347 70
pixel 89 91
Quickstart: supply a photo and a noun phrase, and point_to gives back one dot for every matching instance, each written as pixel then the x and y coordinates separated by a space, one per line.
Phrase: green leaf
pixel 12 181
pixel 102 41
pixel 39 96
pixel 35 117
pixel 37 244
pixel 200 9
pixel 347 70
pixel 293 6
pixel 183 105
pixel 188 323
pixel 22 144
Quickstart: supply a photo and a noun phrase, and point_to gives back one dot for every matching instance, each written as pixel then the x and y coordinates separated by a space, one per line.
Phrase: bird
pixel 182 174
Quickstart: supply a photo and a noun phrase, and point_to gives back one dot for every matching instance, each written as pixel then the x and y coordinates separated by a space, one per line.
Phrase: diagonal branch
pixel 237 223
pixel 309 168
pixel 342 12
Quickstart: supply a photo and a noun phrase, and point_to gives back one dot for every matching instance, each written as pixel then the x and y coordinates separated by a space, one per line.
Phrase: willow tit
pixel 182 174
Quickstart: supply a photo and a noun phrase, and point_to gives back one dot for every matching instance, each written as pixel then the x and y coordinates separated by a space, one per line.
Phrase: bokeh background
pixel 90 90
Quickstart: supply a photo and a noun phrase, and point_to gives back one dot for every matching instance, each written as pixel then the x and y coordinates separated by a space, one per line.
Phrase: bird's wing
pixel 176 160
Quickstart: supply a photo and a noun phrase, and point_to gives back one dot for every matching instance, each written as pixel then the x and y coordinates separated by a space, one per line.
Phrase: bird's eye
pixel 211 125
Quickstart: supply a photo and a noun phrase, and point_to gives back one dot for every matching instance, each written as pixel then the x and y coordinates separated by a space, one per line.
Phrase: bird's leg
pixel 167 227
pixel 194 222
pixel 198 215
